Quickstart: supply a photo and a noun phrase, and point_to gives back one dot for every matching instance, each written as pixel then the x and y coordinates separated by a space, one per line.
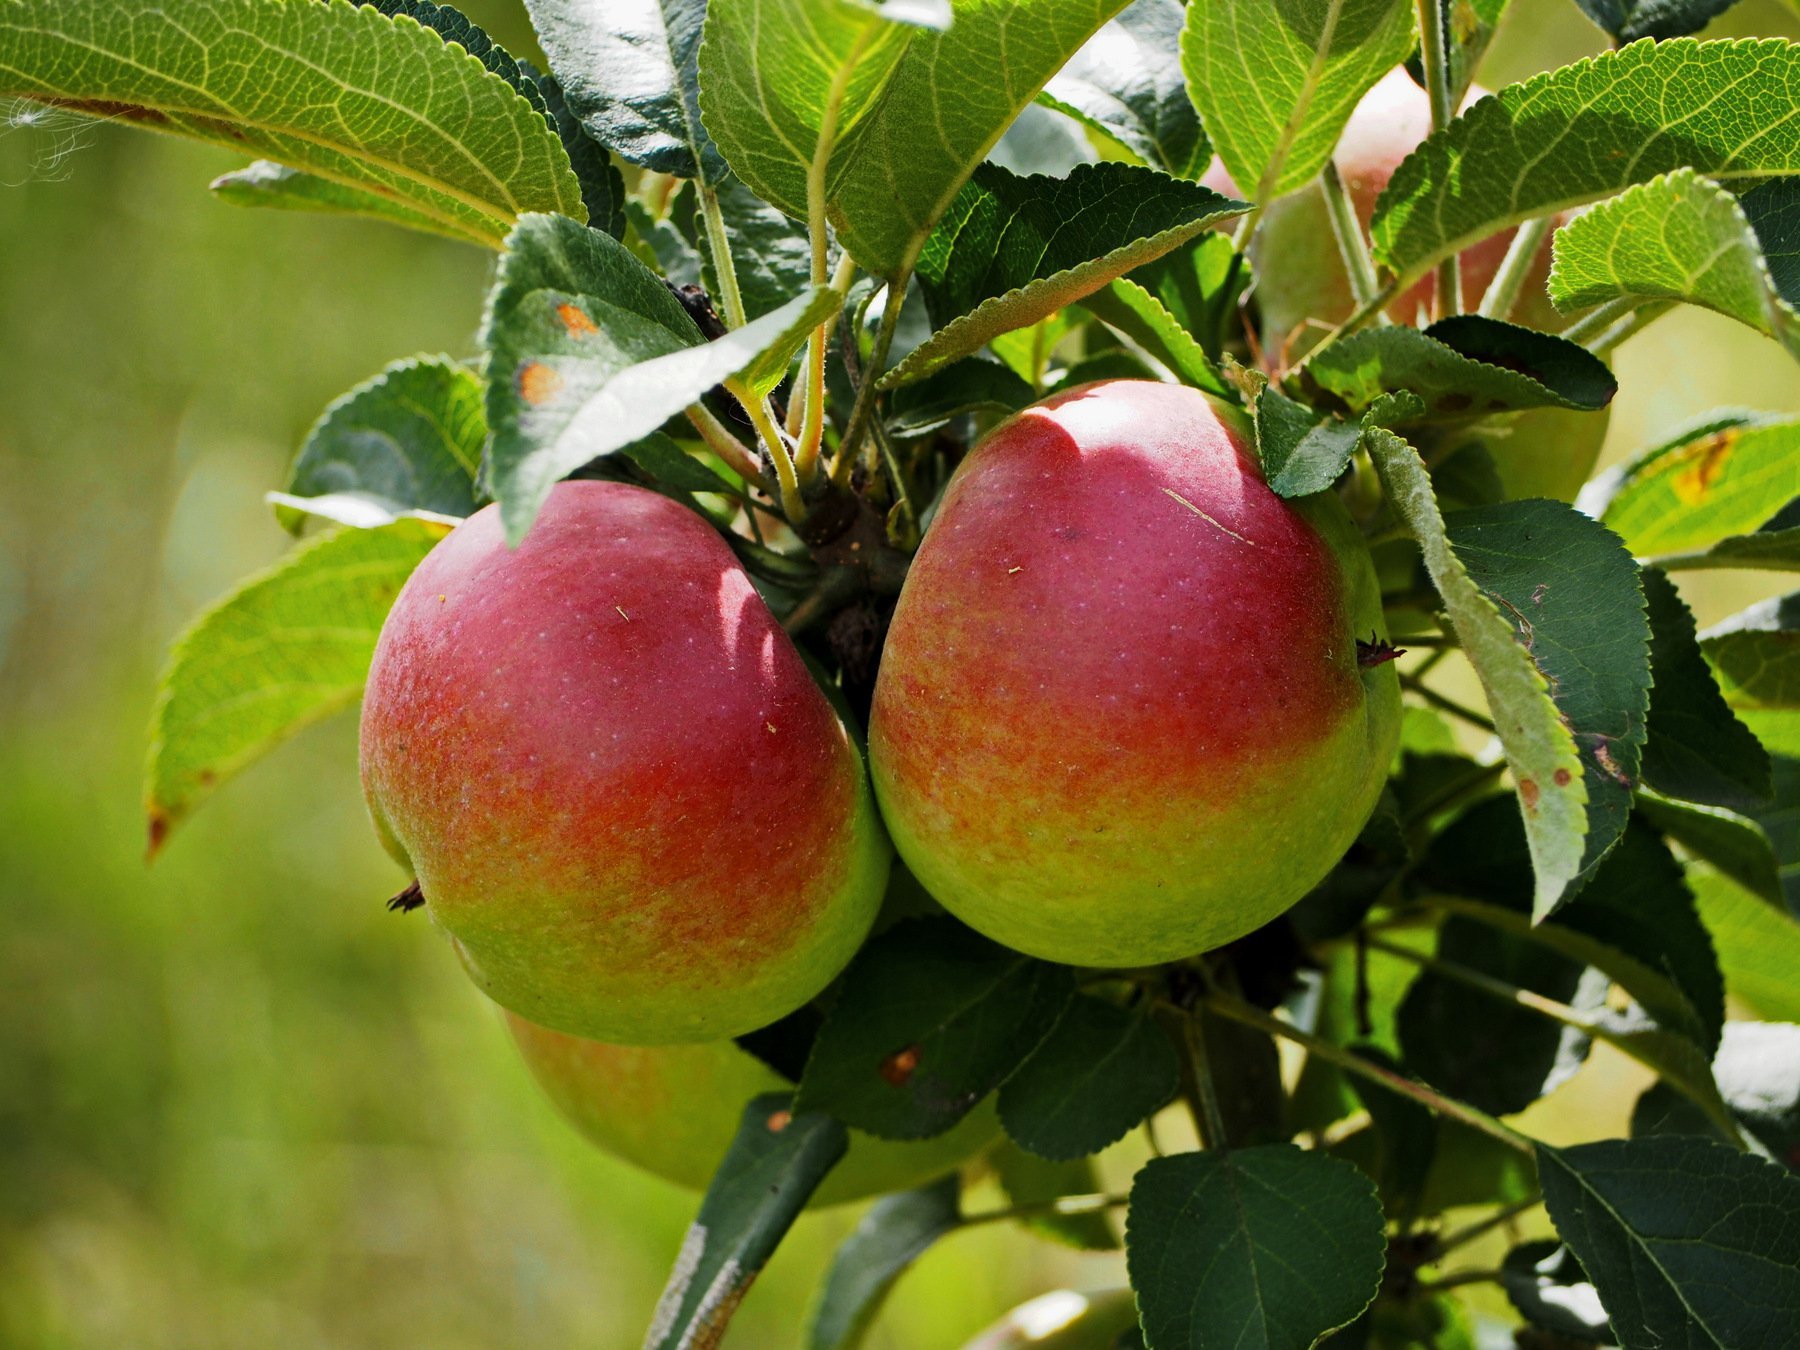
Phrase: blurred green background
pixel 240 1103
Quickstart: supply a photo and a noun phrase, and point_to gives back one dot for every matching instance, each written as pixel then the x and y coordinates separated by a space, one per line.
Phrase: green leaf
pixel 1465 366
pixel 975 384
pixel 1688 1242
pixel 337 90
pixel 1029 1180
pixel 602 186
pixel 1275 84
pixel 930 1018
pixel 891 1236
pixel 1129 309
pixel 777 1160
pixel 408 440
pixel 1732 843
pixel 1588 130
pixel 1770 549
pixel 949 99
pixel 1271 1247
pixel 274 186
pixel 1011 251
pixel 1200 285
pixel 1696 749
pixel 1755 657
pixel 769 252
pixel 674 468
pixel 1629 20
pixel 1407 1134
pixel 1549 1289
pixel 1126 83
pixel 1780 823
pixel 1758 1072
pixel 1773 211
pixel 288 647
pixel 1758 944
pixel 1677 237
pixel 629 69
pixel 1097 1075
pixel 452 25
pixel 1571 594
pixel 1721 477
pixel 590 351
pixel 1302 450
pixel 789 87
pixel 1540 747
pixel 661 243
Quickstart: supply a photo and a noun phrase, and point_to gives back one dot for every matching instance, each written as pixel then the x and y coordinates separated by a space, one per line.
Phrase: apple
pixel 672 1110
pixel 1121 717
pixel 621 793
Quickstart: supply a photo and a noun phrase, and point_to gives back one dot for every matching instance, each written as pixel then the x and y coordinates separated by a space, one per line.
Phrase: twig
pixel 1503 291
pixel 860 412
pixel 1352 247
pixel 1434 56
pixel 1504 1215
pixel 1597 320
pixel 720 440
pixel 1064 1205
pixel 725 269
pixel 1413 684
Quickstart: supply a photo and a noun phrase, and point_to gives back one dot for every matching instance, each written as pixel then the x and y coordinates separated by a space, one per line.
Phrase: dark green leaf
pixel 1011 250
pixel 408 440
pixel 1773 211
pixel 974 384
pixel 928 1020
pixel 1768 550
pixel 1696 748
pixel 891 1236
pixel 1126 83
pixel 1548 1287
pixel 1629 20
pixel 1780 822
pixel 1464 366
pixel 1133 311
pixel 768 249
pixel 1758 1072
pixel 1200 285
pixel 1755 656
pixel 1689 1242
pixel 777 1160
pixel 661 242
pixel 1099 1073
pixel 602 187
pixel 1732 843
pixel 672 467
pixel 454 26
pixel 1030 1181
pixel 1588 130
pixel 1302 450
pixel 1271 1246
pixel 1407 1134
pixel 1572 596
pixel 630 71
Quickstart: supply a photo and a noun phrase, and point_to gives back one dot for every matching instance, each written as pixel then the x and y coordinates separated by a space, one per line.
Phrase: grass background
pixel 240 1103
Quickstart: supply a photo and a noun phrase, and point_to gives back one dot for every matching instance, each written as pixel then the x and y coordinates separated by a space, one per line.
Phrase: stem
pixel 723 267
pixel 1597 320
pixel 1504 1215
pixel 1460 1277
pixel 1239 1011
pixel 720 440
pixel 1195 1036
pixel 812 424
pixel 1369 309
pixel 1630 326
pixel 1503 291
pixel 762 417
pixel 1433 54
pixel 1067 1204
pixel 1353 248
pixel 1448 705
pixel 909 511
pixel 864 407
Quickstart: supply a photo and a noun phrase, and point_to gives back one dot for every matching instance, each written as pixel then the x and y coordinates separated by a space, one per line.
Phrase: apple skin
pixel 672 1110
pixel 1109 729
pixel 621 792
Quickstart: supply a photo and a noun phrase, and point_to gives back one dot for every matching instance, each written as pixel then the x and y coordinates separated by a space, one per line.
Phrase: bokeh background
pixel 240 1103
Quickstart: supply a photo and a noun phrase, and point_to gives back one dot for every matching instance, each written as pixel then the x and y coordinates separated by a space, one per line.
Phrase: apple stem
pixel 1503 291
pixel 1250 1015
pixel 1352 247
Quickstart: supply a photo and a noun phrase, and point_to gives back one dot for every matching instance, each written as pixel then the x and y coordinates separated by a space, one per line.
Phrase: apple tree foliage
pixel 785 260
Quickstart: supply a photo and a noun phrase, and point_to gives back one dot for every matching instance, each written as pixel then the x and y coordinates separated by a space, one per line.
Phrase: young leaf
pixel 1540 747
pixel 293 83
pixel 949 99
pixel 1549 1289
pixel 408 440
pixel 1029 1180
pixel 1758 944
pixel 1696 748
pixel 1758 1072
pixel 1126 84
pixel 589 351
pixel 1732 843
pixel 629 69
pixel 1269 1246
pixel 891 1236
pixel 1725 476
pixel 273 186
pixel 1302 450
pixel 929 1019
pixel 1128 308
pixel 976 384
pixel 1688 1242
pixel 777 1160
pixel 1755 657
pixel 1200 285
pixel 1677 237
pixel 788 87
pixel 1571 594
pixel 288 647
pixel 1629 20
pixel 1275 84
pixel 1461 367
pixel 1012 250
pixel 1098 1074
pixel 1587 130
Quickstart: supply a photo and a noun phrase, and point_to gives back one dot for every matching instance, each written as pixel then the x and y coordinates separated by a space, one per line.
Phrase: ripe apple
pixel 1120 717
pixel 621 792
pixel 673 1109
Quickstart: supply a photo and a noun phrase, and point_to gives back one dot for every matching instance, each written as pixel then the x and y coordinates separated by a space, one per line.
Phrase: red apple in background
pixel 621 792
pixel 673 1110
pixel 1120 717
